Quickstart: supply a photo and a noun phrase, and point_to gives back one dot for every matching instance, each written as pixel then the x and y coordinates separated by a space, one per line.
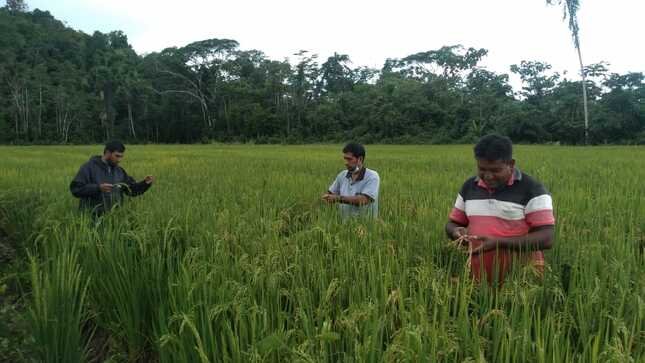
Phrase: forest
pixel 61 86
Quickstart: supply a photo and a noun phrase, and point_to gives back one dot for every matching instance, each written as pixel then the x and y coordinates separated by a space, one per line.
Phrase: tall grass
pixel 57 312
pixel 230 258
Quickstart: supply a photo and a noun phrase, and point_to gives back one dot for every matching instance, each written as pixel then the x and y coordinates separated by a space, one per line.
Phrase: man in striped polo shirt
pixel 503 215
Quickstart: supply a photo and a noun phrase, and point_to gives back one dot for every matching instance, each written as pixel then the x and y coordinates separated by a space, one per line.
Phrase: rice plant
pixel 230 258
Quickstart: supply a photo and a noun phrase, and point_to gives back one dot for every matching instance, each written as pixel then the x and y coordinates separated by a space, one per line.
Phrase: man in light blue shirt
pixel 356 189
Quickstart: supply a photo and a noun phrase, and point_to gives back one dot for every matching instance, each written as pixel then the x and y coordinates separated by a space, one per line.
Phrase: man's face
pixel 351 161
pixel 113 158
pixel 495 173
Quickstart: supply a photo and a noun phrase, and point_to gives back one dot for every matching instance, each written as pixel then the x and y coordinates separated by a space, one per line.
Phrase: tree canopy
pixel 59 85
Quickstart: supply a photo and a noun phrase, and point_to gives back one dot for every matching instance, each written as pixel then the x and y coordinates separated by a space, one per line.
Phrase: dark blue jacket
pixel 95 172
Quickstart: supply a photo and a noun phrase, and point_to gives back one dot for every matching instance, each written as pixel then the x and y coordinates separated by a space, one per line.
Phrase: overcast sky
pixel 371 31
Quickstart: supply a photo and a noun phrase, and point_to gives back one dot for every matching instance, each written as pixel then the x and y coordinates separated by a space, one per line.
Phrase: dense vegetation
pixel 59 85
pixel 214 264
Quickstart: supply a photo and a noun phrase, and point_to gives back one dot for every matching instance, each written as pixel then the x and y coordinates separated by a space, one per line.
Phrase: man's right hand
pixel 330 198
pixel 106 187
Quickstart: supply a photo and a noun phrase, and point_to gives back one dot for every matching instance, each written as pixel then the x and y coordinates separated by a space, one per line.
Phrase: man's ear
pixel 511 163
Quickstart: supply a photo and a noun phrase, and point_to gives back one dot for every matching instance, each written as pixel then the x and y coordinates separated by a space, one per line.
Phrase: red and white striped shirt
pixel 511 211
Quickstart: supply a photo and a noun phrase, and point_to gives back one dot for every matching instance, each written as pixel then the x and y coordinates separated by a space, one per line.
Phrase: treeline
pixel 58 85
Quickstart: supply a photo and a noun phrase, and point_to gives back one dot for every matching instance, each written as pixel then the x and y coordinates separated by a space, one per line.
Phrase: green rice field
pixel 231 257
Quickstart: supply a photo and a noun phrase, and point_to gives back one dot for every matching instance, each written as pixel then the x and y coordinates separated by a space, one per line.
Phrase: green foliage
pixel 16 5
pixel 64 86
pixel 217 264
pixel 57 312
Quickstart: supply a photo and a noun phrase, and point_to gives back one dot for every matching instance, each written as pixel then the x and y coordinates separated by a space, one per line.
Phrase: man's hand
pixel 459 232
pixel 486 244
pixel 460 237
pixel 106 187
pixel 149 179
pixel 330 198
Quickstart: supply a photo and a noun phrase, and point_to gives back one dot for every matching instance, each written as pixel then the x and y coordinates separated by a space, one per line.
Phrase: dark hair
pixel 114 145
pixel 494 147
pixel 356 149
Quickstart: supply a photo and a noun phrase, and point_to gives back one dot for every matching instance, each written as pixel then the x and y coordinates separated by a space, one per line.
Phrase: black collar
pixel 361 174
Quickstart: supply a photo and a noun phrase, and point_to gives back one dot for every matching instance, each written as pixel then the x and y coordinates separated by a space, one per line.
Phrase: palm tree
pixel 570 10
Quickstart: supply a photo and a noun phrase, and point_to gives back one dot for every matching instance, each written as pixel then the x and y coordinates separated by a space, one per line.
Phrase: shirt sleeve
pixel 539 208
pixel 539 211
pixel 335 186
pixel 134 189
pixel 83 185
pixel 458 212
pixel 371 187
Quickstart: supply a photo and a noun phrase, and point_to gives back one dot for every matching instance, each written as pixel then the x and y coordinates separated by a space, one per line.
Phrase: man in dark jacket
pixel 100 183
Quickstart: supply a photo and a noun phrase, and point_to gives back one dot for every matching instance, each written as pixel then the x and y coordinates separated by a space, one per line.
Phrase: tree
pixel 336 75
pixel 538 83
pixel 17 6
pixel 197 70
pixel 302 82
pixel 61 85
pixel 570 10
pixel 129 85
pixel 488 94
pixel 450 62
pixel 623 111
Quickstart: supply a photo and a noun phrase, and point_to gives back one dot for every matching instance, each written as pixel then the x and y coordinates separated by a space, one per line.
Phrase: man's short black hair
pixel 494 147
pixel 114 145
pixel 356 149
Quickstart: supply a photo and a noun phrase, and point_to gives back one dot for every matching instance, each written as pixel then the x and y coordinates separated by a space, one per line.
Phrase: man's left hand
pixel 486 244
pixel 149 179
